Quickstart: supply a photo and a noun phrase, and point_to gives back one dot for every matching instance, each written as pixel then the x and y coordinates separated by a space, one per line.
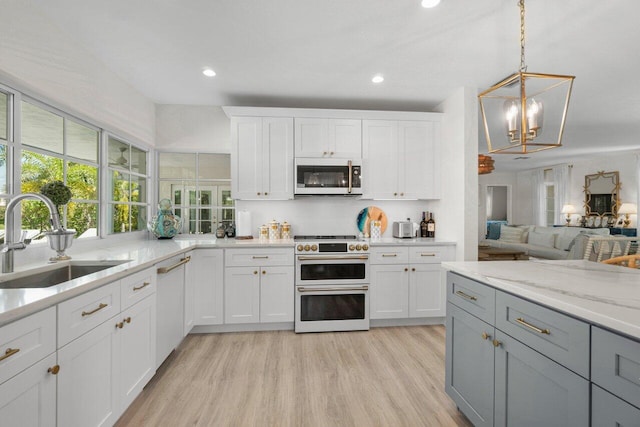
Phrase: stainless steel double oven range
pixel 332 284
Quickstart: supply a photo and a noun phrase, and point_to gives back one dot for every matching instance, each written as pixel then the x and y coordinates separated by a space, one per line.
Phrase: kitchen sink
pixel 52 277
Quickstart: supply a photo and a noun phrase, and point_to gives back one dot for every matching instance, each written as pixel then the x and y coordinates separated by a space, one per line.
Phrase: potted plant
pixel 59 240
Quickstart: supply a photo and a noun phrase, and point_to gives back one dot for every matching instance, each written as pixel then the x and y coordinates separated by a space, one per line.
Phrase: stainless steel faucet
pixel 10 243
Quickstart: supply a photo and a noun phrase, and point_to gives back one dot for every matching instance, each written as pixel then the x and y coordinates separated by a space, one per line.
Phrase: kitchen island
pixel 544 342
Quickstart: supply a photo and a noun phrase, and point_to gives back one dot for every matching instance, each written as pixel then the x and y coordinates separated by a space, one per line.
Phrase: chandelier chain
pixel 523 67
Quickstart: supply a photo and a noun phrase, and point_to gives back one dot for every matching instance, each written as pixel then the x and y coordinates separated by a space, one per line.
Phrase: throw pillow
pixel 510 234
pixel 542 239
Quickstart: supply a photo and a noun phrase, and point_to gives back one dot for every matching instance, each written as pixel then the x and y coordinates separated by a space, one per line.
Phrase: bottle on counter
pixel 423 225
pixel 431 226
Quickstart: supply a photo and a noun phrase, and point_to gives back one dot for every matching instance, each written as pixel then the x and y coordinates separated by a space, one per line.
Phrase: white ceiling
pixel 323 53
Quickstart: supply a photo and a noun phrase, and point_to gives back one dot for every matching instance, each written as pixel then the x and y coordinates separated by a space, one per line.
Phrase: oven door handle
pixel 332 258
pixel 354 288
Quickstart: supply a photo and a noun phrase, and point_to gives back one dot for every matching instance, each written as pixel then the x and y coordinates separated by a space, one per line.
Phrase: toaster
pixel 403 229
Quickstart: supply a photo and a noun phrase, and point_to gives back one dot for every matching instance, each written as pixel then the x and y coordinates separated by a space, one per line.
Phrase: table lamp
pixel 568 209
pixel 627 209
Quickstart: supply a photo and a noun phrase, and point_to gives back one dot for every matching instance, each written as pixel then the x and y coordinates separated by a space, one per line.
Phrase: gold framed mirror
pixel 601 194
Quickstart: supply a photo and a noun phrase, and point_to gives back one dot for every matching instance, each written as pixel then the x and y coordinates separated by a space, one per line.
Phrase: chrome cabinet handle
pixel 144 285
pixel 164 270
pixel 466 296
pixel 89 313
pixel 526 324
pixel 9 352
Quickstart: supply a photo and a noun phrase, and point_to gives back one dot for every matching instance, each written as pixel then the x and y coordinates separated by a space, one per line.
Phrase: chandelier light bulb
pixel 208 72
pixel 378 78
pixel 430 3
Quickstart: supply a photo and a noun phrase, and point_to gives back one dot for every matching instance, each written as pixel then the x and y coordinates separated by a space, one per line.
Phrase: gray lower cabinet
pixel 495 379
pixel 609 411
pixel 532 390
pixel 470 365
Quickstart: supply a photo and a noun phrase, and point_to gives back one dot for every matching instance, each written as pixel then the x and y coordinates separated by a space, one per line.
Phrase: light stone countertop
pixel 139 254
pixel 601 294
pixel 416 241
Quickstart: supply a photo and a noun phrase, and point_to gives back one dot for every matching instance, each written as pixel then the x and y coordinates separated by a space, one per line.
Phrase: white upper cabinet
pixel 262 158
pixel 401 159
pixel 328 138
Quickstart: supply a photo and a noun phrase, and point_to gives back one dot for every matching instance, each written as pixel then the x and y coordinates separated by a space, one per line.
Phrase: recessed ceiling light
pixel 208 72
pixel 377 78
pixel 430 3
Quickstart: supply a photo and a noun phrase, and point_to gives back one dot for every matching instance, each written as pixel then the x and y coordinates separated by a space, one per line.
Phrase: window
pixel 128 183
pixel 56 147
pixel 550 204
pixel 199 187
pixel 6 105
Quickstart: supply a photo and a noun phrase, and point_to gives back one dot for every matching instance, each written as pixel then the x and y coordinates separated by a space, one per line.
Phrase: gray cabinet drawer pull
pixel 524 323
pixel 389 255
pixel 89 313
pixel 466 296
pixel 260 257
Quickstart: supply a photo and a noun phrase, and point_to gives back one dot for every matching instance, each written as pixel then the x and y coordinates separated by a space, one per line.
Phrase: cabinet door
pixel 345 138
pixel 88 389
pixel 246 158
pixel 189 295
pixel 29 398
pixel 389 293
pixel 532 390
pixel 137 348
pixel 242 295
pixel 419 159
pixel 311 137
pixel 380 159
pixel 277 158
pixel 426 291
pixel 276 294
pixel 207 274
pixel 470 365
pixel 609 411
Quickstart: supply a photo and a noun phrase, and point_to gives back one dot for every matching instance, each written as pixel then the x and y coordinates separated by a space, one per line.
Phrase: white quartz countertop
pixel 416 241
pixel 138 254
pixel 601 294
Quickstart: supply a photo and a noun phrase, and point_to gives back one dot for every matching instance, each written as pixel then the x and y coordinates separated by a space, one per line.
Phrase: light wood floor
pixel 382 377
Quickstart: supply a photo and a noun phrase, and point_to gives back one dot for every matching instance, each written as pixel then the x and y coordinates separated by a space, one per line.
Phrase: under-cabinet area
pixel 511 361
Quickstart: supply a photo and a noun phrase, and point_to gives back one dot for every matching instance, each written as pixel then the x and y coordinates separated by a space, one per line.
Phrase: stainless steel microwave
pixel 328 177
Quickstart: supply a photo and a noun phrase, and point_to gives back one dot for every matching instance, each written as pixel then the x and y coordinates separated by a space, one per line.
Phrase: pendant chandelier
pixel 485 164
pixel 525 112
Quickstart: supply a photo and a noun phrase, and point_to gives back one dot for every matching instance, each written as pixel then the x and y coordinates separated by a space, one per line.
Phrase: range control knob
pixel 352 247
pixel 358 247
pixel 307 248
pixel 365 247
pixel 314 248
pixel 300 247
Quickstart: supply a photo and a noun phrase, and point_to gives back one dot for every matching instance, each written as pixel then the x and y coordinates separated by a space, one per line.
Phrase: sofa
pixel 543 242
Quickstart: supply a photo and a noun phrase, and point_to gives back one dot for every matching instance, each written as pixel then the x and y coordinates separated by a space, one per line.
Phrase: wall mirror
pixel 601 194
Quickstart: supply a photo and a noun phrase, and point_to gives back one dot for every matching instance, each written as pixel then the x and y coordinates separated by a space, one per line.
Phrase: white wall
pixel 38 58
pixel 459 205
pixel 626 164
pixel 192 128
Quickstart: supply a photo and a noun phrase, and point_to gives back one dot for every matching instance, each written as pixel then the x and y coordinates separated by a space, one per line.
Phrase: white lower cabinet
pixel 259 285
pixel 408 281
pixel 29 398
pixel 206 271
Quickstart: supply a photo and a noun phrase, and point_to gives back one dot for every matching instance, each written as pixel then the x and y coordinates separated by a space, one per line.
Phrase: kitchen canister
pixel 264 232
pixel 243 223
pixel 376 229
pixel 274 230
pixel 285 230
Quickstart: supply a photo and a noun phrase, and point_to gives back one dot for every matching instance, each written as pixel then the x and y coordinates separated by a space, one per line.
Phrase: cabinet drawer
pixel 428 254
pixel 137 287
pixel 25 341
pixel 83 313
pixel 615 364
pixel 608 410
pixel 258 257
pixel 474 297
pixel 557 336
pixel 389 255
